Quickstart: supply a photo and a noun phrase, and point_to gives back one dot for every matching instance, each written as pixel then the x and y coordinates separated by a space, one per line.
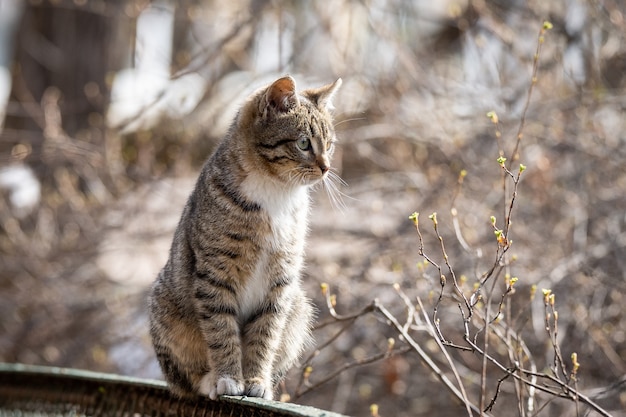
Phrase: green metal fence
pixel 27 391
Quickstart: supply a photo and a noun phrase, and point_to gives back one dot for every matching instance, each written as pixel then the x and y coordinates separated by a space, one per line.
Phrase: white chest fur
pixel 288 210
pixel 287 207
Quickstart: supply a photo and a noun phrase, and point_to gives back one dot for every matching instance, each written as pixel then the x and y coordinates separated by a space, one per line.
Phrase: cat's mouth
pixel 314 178
pixel 306 176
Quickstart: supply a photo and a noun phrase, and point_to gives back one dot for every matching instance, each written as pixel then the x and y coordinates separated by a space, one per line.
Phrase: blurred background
pixel 109 108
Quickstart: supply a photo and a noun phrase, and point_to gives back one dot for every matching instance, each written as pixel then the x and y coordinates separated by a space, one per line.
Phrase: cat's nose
pixel 323 163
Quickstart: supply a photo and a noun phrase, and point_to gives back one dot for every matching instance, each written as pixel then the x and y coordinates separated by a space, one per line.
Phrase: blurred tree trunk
pixel 69 50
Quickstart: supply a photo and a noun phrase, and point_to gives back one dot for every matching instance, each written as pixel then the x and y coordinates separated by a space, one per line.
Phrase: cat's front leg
pixel 260 345
pixel 261 340
pixel 217 312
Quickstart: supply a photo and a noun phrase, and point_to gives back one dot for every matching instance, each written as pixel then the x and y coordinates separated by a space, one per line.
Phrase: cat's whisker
pixel 334 193
pixel 303 178
pixel 335 177
pixel 316 185
pixel 336 198
pixel 295 176
pixel 349 120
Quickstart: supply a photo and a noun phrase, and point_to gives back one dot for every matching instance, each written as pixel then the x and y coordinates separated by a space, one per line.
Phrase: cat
pixel 228 315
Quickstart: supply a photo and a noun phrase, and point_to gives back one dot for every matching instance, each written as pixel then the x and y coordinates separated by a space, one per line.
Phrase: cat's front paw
pixel 228 386
pixel 258 388
pixel 224 386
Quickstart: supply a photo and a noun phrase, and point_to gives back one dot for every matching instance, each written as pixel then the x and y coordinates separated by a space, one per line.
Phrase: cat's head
pixel 292 133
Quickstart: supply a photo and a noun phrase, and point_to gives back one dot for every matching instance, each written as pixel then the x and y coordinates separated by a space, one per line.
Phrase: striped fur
pixel 227 312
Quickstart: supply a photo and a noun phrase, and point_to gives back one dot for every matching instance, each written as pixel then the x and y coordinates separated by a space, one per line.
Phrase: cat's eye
pixel 303 144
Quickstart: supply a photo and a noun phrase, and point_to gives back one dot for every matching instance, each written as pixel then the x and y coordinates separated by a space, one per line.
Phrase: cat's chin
pixel 303 182
pixel 310 182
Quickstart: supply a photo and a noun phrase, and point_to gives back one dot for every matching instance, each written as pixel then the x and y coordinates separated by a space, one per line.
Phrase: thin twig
pixel 443 349
pixel 423 355
pixel 350 365
pixel 540 38
pixel 495 396
pixel 483 375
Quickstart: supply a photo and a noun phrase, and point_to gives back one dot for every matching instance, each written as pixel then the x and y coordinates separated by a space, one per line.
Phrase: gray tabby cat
pixel 227 312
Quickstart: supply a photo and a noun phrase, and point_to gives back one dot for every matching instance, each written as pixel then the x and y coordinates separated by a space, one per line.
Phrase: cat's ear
pixel 323 96
pixel 281 95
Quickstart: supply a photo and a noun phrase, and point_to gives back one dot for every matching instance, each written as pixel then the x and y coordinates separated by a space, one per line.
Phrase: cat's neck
pixel 276 197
